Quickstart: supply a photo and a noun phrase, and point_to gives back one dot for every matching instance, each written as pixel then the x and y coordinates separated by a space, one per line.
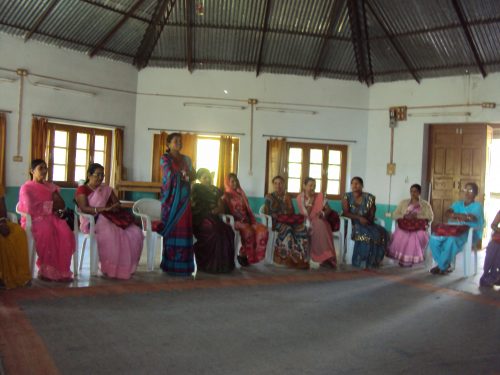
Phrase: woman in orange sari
pixel 254 236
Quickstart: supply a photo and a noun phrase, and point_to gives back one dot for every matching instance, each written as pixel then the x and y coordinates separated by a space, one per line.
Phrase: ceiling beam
pixel 468 35
pixel 369 79
pixel 398 49
pixel 160 17
pixel 264 31
pixel 352 6
pixel 40 20
pixel 117 27
pixel 189 35
pixel 335 14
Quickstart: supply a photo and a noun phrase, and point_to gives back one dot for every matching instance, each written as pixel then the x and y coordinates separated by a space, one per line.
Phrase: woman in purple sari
pixel 177 231
pixel 491 275
pixel 119 242
pixel 408 247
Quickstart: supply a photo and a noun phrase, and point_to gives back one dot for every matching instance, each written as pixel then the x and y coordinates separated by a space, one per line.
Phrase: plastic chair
pixel 90 237
pixel 349 242
pixel 31 242
pixel 149 210
pixel 12 217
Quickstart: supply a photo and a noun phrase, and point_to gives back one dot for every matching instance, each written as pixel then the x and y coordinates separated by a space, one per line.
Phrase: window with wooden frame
pixel 73 148
pixel 325 163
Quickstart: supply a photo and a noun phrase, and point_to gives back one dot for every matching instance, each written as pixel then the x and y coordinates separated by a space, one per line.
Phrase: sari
pixel 491 274
pixel 445 248
pixel 254 236
pixel 322 248
pixel 291 245
pixel 369 240
pixel 177 258
pixel 408 247
pixel 119 249
pixel 214 247
pixel 54 241
pixel 14 258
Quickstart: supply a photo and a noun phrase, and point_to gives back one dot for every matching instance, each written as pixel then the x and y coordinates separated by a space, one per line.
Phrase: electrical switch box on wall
pixel 391 169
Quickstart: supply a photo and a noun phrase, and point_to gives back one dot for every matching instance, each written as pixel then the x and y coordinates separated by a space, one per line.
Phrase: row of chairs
pixel 149 210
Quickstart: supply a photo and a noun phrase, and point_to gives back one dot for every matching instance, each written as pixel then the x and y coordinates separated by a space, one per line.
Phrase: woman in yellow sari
pixel 14 261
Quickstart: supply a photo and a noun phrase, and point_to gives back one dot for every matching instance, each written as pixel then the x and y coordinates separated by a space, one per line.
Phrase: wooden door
pixel 457 156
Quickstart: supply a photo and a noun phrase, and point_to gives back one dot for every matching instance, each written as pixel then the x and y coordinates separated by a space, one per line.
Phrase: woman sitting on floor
pixel 466 212
pixel 410 238
pixel 119 240
pixel 491 275
pixel 314 206
pixel 291 246
pixel 370 239
pixel 14 258
pixel 54 240
pixel 214 247
pixel 254 236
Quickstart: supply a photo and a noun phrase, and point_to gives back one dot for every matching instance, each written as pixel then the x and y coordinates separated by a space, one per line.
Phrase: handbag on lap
pixel 122 218
pixel 449 230
pixel 412 225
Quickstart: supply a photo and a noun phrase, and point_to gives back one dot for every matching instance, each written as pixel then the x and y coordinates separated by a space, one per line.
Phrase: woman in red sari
pixel 54 240
pixel 254 236
pixel 314 206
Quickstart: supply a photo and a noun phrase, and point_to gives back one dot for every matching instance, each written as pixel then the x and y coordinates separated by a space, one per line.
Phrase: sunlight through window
pixel 207 154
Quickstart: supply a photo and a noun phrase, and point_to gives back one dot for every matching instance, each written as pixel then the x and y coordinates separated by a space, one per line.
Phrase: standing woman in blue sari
pixel 177 231
pixel 370 239
pixel 445 248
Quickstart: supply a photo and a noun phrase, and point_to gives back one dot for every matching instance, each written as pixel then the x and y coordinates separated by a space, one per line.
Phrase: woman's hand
pixel 363 220
pixel 113 208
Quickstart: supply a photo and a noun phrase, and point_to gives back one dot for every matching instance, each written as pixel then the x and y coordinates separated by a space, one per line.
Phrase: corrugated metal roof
pixel 303 37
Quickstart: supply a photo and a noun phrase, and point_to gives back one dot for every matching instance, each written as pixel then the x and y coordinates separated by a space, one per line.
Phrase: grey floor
pixel 398 321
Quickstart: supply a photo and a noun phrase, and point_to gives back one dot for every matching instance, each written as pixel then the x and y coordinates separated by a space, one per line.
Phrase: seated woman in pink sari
pixel 408 246
pixel 314 206
pixel 119 240
pixel 54 240
pixel 254 236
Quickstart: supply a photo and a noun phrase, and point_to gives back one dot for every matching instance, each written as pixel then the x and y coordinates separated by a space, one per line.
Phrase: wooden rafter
pixel 189 34
pixel 264 31
pixel 357 42
pixel 369 79
pixel 333 18
pixel 40 20
pixel 160 17
pixel 398 49
pixel 117 27
pixel 468 35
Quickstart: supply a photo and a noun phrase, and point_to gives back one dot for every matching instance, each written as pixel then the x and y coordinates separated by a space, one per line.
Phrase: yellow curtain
pixel 159 148
pixel 3 142
pixel 226 162
pixel 39 138
pixel 117 174
pixel 276 162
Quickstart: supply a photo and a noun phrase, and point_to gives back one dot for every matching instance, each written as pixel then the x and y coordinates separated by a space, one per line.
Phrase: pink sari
pixel 119 249
pixel 54 240
pixel 254 236
pixel 321 247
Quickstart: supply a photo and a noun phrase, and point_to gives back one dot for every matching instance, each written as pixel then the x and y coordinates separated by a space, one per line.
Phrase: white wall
pixel 329 123
pixel 409 135
pixel 106 107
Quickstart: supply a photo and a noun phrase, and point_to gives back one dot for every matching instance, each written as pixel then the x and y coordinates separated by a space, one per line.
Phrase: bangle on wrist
pixel 95 210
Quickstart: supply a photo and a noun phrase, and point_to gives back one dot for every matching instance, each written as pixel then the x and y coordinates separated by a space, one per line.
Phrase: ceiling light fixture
pixel 62 88
pixel 439 114
pixel 212 105
pixel 286 110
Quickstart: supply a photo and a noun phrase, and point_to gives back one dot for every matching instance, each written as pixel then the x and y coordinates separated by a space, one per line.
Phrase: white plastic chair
pixel 467 253
pixel 12 217
pixel 32 245
pixel 149 210
pixel 90 237
pixel 349 242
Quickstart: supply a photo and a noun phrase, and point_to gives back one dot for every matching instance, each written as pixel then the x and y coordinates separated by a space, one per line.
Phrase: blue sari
pixel 370 240
pixel 177 232
pixel 445 248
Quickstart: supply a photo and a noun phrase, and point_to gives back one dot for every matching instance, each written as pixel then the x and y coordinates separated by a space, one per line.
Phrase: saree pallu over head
pixel 175 191
pixel 237 202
